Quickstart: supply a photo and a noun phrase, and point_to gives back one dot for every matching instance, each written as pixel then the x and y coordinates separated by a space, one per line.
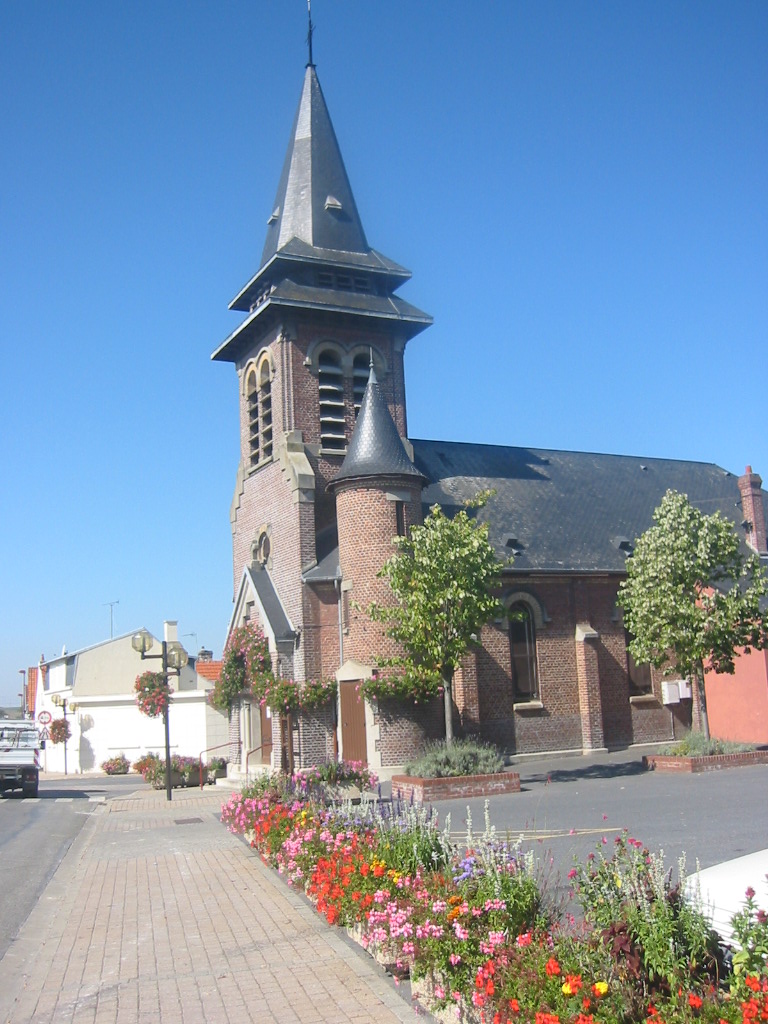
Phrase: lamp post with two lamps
pixel 173 658
pixel 63 703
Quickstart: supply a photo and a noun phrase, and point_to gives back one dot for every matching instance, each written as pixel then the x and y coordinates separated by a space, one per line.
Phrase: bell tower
pixel 321 307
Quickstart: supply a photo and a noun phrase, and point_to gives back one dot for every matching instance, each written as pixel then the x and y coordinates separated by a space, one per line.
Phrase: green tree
pixel 692 598
pixel 441 578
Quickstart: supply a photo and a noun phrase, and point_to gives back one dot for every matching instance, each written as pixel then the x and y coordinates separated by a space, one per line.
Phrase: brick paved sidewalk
pixel 157 915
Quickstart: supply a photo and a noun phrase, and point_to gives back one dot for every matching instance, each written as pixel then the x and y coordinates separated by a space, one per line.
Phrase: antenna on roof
pixel 310 62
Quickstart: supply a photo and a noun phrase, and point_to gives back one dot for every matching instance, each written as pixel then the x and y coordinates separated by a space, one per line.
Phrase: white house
pixel 97 684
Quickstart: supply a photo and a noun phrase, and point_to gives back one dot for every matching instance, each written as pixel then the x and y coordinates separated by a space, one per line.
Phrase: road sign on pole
pixel 44 717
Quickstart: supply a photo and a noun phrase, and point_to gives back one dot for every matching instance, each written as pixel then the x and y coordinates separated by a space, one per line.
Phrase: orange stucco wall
pixel 738 704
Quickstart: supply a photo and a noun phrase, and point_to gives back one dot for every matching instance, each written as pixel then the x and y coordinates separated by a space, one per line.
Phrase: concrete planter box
pixel 177 780
pixel 421 791
pixel 713 762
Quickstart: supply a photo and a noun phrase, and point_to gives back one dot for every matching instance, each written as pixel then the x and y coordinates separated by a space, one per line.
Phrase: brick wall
pixel 405 728
pixel 483 690
pixel 316 737
pixel 364 511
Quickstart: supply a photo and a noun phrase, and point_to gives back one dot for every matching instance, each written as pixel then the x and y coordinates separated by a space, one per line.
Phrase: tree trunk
pixel 447 675
pixel 700 700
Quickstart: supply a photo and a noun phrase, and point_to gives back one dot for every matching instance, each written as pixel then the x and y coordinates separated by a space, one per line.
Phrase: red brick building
pixel 328 476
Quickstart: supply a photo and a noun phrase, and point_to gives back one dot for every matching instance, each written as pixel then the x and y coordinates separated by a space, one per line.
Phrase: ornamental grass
pixel 477 932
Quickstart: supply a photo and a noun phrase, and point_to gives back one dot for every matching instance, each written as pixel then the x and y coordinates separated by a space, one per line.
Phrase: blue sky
pixel 579 190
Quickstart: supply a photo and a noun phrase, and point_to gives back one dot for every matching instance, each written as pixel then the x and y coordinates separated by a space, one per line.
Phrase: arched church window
pixel 252 393
pixel 640 680
pixel 522 645
pixel 265 409
pixel 331 390
pixel 360 372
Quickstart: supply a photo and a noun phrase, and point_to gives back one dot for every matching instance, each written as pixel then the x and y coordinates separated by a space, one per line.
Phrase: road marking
pixel 64 799
pixel 529 835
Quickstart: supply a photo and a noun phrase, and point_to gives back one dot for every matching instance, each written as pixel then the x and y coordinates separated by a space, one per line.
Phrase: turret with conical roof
pixel 376 449
pixel 378 497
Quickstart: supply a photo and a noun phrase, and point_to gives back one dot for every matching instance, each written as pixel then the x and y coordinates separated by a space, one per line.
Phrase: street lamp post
pixel 23 674
pixel 61 702
pixel 173 658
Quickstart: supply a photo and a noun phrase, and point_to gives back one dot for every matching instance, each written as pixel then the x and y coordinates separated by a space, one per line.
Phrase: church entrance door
pixel 266 736
pixel 354 745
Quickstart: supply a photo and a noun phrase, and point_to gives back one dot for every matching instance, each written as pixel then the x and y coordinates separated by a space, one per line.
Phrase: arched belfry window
pixel 522 646
pixel 258 395
pixel 360 373
pixel 265 409
pixel 252 395
pixel 330 379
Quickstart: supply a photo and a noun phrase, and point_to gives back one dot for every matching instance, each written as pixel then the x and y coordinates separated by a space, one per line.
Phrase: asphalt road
pixel 36 834
pixel 567 806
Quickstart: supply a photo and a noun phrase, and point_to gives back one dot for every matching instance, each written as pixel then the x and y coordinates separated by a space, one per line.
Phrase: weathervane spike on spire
pixel 310 62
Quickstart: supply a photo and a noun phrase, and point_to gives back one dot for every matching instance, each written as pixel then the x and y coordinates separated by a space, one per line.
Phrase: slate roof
pixel 270 602
pixel 314 173
pixel 560 511
pixel 375 448
pixel 314 238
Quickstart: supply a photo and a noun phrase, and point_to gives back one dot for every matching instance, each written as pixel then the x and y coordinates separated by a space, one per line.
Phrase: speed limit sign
pixel 44 717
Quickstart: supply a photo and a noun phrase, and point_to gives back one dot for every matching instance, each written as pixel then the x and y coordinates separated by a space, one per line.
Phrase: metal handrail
pixel 207 749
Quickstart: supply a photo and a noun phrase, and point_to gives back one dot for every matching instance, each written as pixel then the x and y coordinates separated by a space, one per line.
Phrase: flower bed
pixel 708 763
pixel 472 928
pixel 418 790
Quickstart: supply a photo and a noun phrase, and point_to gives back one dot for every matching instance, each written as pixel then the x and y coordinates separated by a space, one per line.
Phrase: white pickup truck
pixel 19 756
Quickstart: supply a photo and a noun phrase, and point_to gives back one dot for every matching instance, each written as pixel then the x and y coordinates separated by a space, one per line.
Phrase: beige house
pixel 97 684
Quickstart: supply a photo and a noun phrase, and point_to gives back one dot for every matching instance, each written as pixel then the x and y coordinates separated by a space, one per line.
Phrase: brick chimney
pixel 754 512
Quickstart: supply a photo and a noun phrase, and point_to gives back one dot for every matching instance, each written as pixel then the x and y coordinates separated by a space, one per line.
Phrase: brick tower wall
pixel 367 525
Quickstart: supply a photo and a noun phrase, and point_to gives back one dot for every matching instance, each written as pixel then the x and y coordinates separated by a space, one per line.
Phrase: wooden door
pixel 266 736
pixel 353 739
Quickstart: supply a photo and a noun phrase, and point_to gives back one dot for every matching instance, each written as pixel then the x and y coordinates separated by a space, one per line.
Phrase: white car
pixel 723 889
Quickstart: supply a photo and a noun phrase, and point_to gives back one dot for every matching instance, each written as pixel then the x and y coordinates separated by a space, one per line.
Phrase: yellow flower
pixel 600 988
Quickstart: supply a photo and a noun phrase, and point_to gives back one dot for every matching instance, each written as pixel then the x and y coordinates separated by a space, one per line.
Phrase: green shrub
pixel 463 757
pixel 696 745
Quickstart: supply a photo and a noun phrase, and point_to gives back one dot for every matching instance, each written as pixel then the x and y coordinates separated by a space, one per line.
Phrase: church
pixel 328 475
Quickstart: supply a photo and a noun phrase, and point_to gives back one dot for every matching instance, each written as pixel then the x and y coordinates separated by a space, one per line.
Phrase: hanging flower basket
pixel 153 694
pixel 59 730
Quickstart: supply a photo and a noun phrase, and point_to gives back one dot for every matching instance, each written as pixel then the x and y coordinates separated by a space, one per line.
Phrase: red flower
pixel 552 968
pixel 514 1006
pixel 694 1001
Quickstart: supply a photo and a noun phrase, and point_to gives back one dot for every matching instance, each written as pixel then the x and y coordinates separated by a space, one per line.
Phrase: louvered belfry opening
pixel 359 380
pixel 331 388
pixel 265 402
pixel 252 390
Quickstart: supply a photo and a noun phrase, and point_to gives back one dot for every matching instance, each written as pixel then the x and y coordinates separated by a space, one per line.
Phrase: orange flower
pixel 694 1001
pixel 572 984
pixel 552 968
pixel 514 1006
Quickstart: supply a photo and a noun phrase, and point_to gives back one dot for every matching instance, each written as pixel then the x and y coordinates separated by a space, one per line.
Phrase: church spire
pixel 314 202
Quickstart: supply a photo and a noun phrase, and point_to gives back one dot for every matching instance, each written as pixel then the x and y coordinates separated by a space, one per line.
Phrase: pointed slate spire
pixel 314 201
pixel 375 448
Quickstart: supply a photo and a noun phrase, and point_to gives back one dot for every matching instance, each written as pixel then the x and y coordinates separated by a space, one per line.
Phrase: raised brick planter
pixel 711 763
pixel 407 787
